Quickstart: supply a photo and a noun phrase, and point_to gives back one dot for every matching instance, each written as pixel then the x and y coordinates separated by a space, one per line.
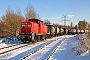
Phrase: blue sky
pixel 52 8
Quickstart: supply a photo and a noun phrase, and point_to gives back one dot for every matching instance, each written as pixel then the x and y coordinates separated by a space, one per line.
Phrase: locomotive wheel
pixel 24 40
pixel 46 36
pixel 29 39
pixel 43 37
pixel 38 38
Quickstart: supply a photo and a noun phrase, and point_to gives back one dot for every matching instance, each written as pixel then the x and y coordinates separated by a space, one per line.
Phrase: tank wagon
pixel 65 31
pixel 73 31
pixel 51 30
pixel 55 30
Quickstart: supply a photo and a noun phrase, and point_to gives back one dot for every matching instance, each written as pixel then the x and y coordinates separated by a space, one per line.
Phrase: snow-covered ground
pixel 63 51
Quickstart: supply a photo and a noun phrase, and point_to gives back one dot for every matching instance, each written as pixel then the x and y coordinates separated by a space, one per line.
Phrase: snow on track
pixel 14 53
pixel 62 52
pixel 5 50
pixel 45 52
pixel 19 53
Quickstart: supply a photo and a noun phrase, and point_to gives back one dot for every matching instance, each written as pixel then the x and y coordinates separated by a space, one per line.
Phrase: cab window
pixel 30 20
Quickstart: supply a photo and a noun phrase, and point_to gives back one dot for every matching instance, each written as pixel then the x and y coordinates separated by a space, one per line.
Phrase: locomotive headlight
pixel 23 26
pixel 26 23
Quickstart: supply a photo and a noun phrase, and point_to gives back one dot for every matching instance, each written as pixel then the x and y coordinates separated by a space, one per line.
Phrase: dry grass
pixel 84 45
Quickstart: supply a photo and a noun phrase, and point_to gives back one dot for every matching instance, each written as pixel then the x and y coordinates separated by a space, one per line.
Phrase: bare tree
pixel 82 25
pixel 30 12
pixel 89 25
pixel 11 21
pixel 1 28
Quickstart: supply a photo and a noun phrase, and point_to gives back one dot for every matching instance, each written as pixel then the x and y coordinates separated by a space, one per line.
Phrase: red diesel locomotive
pixel 32 30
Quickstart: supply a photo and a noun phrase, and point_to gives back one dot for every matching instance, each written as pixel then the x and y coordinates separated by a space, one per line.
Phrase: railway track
pixel 54 50
pixel 32 51
pixel 14 47
pixel 43 46
pixel 9 46
pixel 11 51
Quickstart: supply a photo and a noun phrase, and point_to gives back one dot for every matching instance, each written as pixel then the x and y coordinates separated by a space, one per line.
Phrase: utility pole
pixel 65 16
